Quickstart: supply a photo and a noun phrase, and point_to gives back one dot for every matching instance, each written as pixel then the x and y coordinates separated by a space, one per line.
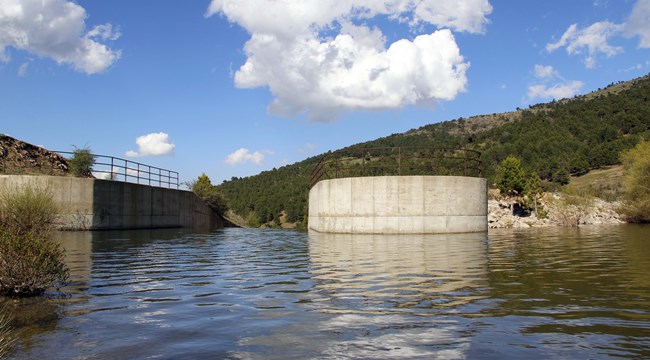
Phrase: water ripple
pixel 275 294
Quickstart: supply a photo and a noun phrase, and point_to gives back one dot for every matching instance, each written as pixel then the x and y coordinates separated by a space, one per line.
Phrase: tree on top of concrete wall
pixel 82 162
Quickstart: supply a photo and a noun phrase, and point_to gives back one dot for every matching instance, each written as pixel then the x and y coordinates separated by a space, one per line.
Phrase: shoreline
pixel 554 209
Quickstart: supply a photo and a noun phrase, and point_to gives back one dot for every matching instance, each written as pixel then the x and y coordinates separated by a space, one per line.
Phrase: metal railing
pixel 397 161
pixel 118 169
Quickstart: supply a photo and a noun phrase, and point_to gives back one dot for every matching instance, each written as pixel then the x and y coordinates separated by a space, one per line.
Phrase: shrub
pixel 573 207
pixel 27 209
pixel 82 162
pixel 204 189
pixel 636 182
pixel 30 261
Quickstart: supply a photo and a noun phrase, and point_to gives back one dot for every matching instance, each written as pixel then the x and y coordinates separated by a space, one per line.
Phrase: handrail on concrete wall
pixel 381 161
pixel 118 169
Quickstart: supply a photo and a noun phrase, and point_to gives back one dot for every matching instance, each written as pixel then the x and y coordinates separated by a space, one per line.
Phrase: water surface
pixel 274 294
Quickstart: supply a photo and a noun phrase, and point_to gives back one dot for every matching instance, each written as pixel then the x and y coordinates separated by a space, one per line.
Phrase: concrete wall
pixel 399 205
pixel 93 204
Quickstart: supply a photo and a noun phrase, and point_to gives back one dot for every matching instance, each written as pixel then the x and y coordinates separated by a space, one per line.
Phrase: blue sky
pixel 236 87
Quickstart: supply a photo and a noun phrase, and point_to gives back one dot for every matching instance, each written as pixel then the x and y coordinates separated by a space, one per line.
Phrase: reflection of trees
pixel 591 280
pixel 35 316
pixel 398 272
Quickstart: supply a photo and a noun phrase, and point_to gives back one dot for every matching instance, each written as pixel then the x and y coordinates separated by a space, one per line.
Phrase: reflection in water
pixel 241 293
pixel 398 272
pixel 585 289
pixel 387 296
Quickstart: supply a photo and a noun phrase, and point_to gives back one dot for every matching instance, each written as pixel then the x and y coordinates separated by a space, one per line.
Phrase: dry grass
pixel 606 183
pixel 7 336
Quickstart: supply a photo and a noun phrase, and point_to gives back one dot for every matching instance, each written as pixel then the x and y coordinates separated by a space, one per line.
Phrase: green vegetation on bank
pixel 554 141
pixel 636 164
pixel 30 261
pixel 204 189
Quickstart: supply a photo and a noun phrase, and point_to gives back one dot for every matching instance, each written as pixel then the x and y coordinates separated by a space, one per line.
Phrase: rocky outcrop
pixel 553 210
pixel 19 157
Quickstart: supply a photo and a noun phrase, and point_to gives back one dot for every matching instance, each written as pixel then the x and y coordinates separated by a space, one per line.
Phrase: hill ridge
pixel 554 139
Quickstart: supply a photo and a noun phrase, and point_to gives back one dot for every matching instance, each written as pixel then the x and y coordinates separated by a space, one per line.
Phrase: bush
pixel 27 209
pixel 573 207
pixel 204 189
pixel 30 261
pixel 636 183
pixel 82 162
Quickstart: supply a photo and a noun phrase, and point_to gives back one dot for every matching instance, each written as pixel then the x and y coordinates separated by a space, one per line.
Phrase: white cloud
pixel 56 29
pixel 244 155
pixel 292 51
pixel 154 144
pixel 593 39
pixel 551 85
pixel 557 91
pixel 308 148
pixel 543 72
pixel 638 23
pixel 22 69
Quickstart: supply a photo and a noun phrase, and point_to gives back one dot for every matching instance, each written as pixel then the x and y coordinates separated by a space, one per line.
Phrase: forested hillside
pixel 554 140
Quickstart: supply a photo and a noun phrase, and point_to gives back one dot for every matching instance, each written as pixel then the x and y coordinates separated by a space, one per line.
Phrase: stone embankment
pixel 19 157
pixel 552 210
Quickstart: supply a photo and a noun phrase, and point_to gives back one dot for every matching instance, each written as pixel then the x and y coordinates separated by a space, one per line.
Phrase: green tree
pixel 82 162
pixel 204 189
pixel 511 176
pixel 636 182
pixel 532 190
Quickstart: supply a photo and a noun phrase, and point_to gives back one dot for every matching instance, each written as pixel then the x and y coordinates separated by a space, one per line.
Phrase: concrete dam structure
pixel 94 204
pixel 399 205
pixel 403 190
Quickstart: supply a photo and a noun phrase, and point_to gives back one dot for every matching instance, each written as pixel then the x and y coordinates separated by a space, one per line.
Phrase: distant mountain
pixel 555 140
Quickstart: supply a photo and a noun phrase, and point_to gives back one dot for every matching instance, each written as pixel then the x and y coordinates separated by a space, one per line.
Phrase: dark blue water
pixel 274 294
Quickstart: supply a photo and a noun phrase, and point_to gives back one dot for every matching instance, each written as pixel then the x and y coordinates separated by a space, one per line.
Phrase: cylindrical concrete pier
pixel 399 205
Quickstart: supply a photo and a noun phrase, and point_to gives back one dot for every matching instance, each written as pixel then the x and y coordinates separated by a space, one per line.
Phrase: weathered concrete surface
pixel 93 204
pixel 399 205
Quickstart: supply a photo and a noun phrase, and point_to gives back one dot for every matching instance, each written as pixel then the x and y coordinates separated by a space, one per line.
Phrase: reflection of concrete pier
pixel 399 205
pixel 442 270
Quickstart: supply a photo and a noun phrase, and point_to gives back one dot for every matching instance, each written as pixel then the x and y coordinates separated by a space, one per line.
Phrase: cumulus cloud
pixel 154 144
pixel 551 85
pixel 244 155
pixel 321 59
pixel 638 23
pixel 56 29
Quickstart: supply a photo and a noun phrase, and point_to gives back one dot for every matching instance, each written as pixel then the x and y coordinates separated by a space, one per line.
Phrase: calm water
pixel 249 294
